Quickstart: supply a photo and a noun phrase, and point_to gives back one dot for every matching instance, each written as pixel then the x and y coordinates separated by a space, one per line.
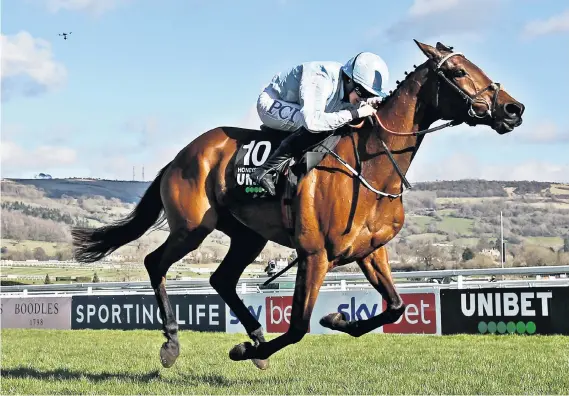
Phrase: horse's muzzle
pixel 510 117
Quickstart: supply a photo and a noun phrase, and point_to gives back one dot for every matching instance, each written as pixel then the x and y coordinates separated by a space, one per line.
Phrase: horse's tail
pixel 91 245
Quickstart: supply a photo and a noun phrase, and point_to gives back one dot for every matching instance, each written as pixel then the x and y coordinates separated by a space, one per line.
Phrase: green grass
pixel 471 242
pixel 426 237
pixel 126 362
pixel 560 189
pixel 446 212
pixel 49 247
pixel 459 200
pixel 421 221
pixel 456 224
pixel 555 242
pixel 104 274
pixel 137 273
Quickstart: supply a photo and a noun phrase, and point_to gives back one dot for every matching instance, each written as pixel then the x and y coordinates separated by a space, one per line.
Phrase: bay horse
pixel 341 215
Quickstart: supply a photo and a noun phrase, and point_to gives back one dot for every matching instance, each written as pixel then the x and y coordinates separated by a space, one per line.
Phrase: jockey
pixel 316 97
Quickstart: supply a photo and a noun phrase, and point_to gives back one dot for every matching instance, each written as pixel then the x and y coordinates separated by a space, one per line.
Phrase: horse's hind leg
pixel 179 243
pixel 377 271
pixel 190 218
pixel 244 248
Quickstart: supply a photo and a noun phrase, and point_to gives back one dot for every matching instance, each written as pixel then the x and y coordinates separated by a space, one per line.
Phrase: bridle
pixel 469 99
pixel 377 124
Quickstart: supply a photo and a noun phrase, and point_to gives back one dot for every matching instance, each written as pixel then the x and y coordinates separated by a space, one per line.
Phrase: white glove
pixel 365 110
pixel 374 101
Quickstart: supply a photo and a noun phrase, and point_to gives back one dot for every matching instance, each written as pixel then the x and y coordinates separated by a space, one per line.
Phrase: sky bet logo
pixel 356 311
pixel 419 315
pixel 278 312
pixel 255 311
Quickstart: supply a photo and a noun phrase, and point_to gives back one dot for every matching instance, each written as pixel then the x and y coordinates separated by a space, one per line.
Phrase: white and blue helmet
pixel 369 71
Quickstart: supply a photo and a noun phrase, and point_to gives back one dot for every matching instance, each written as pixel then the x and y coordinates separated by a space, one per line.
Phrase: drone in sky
pixel 64 35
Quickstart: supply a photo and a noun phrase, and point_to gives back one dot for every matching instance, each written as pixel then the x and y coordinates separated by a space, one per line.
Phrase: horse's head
pixel 463 92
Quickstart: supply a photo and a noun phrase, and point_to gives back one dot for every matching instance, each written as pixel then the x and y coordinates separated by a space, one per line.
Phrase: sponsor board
pixel 273 312
pixel 420 316
pixel 531 310
pixel 278 310
pixel 35 312
pixel 204 312
pixel 255 303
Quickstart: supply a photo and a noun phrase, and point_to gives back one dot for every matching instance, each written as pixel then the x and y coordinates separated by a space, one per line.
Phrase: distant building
pixel 493 253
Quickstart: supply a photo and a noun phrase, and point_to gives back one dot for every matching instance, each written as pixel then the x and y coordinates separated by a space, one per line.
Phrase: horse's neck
pixel 403 112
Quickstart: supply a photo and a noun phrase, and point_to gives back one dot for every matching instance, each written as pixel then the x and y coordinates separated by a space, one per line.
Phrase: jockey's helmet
pixel 369 73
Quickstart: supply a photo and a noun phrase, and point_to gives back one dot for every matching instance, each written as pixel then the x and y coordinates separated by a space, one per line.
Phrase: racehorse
pixel 346 209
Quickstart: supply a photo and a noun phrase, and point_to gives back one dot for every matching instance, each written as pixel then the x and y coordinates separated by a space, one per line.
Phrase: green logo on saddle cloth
pixel 254 190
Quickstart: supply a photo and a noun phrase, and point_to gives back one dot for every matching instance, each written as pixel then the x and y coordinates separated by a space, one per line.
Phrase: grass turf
pixel 126 362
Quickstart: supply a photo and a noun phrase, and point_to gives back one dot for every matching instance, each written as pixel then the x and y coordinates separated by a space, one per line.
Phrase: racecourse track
pixel 126 362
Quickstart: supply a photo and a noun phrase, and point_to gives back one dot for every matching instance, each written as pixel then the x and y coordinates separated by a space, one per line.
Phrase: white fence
pixel 458 279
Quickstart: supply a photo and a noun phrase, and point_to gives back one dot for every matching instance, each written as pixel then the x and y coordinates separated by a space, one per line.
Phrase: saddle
pixel 255 147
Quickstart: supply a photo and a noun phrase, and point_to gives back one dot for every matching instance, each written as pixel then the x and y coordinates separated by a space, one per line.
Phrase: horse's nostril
pixel 514 109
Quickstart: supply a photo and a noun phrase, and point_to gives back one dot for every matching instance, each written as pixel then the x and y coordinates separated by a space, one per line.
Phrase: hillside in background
pixel 131 191
pixel 125 191
pixel 448 223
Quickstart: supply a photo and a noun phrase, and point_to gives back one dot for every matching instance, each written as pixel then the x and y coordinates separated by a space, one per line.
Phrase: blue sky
pixel 139 79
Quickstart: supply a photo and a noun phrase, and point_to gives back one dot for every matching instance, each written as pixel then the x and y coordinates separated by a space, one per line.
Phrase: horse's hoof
pixel 332 320
pixel 262 364
pixel 241 351
pixel 168 354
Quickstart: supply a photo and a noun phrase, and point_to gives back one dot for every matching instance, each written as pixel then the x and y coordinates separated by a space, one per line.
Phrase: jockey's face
pixel 354 98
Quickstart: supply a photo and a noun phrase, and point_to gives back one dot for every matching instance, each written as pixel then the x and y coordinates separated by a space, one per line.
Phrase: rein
pixel 378 124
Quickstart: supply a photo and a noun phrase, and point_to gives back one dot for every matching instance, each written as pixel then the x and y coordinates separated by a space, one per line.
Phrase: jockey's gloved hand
pixel 365 110
pixel 374 101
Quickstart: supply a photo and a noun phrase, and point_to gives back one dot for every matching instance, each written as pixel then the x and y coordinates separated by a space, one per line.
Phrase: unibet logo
pixel 510 327
pixel 505 303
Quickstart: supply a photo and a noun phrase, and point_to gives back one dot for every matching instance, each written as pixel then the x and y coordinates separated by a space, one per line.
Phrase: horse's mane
pixel 393 93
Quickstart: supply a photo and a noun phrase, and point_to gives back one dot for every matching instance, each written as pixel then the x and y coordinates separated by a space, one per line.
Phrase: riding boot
pixel 289 147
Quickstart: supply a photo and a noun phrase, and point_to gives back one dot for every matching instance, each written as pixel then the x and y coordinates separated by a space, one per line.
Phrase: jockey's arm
pixel 315 88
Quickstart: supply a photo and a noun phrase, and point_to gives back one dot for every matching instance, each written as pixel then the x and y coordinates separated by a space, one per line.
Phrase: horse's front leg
pixel 309 277
pixel 376 269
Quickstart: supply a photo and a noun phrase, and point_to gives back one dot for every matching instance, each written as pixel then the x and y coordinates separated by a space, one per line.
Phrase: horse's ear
pixel 431 52
pixel 442 47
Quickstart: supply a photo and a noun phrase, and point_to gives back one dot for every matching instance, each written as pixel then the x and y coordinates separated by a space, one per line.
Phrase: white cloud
pixel 426 7
pixel 94 7
pixel 434 18
pixel 18 160
pixel 555 24
pixel 465 166
pixel 545 133
pixel 28 66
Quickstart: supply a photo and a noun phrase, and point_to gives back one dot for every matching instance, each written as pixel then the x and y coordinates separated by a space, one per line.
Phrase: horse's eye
pixel 459 73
